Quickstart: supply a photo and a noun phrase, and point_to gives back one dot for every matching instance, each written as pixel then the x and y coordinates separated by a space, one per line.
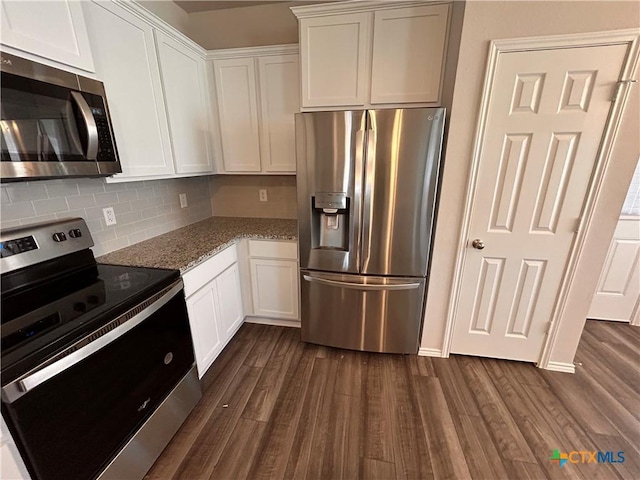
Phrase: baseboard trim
pixel 561 367
pixel 430 352
pixel 278 322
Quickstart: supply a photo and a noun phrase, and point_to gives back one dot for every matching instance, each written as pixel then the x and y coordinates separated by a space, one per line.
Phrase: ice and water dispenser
pixel 330 221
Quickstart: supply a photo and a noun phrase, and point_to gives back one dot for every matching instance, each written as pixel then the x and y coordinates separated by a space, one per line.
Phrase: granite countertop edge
pixel 224 246
pixel 206 238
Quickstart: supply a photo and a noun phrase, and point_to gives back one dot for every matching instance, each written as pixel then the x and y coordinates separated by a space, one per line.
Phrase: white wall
pixel 143 209
pixel 271 24
pixel 485 21
pixel 169 12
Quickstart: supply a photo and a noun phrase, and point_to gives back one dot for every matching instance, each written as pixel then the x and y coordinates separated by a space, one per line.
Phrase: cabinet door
pixel 274 285
pixel 279 101
pixel 335 59
pixel 185 93
pixel 53 30
pixel 408 54
pixel 126 61
pixel 201 307
pixel 230 313
pixel 238 111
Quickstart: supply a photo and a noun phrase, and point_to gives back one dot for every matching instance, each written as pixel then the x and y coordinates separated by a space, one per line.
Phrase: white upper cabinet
pixel 279 101
pixel 335 59
pixel 257 95
pixel 185 93
pixel 408 54
pixel 126 61
pixel 51 30
pixel 367 54
pixel 238 111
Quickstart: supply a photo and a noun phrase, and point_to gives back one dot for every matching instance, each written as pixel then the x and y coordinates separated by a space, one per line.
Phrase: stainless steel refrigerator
pixel 366 204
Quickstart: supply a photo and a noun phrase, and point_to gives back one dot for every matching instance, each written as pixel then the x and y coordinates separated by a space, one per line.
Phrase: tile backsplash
pixel 143 209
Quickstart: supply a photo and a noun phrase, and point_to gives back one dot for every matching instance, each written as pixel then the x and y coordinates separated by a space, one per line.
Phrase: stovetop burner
pixel 40 321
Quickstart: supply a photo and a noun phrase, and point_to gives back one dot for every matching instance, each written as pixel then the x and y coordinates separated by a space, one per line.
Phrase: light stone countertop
pixel 189 246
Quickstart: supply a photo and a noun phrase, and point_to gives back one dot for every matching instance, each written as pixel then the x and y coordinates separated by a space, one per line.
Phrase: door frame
pixel 630 37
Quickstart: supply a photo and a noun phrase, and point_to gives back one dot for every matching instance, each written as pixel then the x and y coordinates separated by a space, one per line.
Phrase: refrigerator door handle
pixel 355 230
pixel 369 180
pixel 362 286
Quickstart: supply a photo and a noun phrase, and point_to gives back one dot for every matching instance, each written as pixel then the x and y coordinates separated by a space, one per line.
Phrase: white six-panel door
pixel 619 285
pixel 546 117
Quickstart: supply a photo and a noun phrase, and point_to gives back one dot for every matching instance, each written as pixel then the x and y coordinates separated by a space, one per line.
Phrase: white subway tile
pixel 38 219
pixel 16 211
pixel 82 201
pixel 108 198
pixel 27 192
pixel 90 185
pixel 120 208
pixel 127 196
pixel 51 205
pixel 68 188
pixel 128 217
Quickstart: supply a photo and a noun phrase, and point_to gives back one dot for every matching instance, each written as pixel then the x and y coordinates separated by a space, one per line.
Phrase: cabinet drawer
pixel 273 249
pixel 199 276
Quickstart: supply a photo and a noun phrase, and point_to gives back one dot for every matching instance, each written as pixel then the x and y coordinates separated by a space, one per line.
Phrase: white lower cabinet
pixel 214 304
pixel 274 285
pixel 273 267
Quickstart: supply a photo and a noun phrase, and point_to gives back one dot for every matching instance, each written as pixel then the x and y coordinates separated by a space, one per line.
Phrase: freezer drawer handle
pixel 362 286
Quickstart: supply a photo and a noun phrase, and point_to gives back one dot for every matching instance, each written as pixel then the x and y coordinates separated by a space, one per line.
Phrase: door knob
pixel 477 244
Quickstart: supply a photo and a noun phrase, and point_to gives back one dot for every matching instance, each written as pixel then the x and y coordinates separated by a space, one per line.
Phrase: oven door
pixel 71 417
pixel 49 131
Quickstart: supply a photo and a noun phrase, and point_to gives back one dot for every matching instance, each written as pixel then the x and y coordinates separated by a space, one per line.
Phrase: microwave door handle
pixel 90 122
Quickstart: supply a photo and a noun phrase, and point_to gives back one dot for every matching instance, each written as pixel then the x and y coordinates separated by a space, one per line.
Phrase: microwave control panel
pixel 106 144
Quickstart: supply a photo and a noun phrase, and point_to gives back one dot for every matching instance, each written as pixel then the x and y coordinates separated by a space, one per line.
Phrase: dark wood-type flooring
pixel 275 407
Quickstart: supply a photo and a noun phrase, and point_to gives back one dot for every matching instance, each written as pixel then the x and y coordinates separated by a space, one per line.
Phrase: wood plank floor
pixel 277 408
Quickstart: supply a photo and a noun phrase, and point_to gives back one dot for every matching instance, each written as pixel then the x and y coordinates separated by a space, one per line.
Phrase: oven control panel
pixel 18 245
pixel 31 244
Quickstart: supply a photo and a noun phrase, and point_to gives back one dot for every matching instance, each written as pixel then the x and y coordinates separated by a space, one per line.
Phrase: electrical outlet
pixel 109 216
pixel 183 200
pixel 263 194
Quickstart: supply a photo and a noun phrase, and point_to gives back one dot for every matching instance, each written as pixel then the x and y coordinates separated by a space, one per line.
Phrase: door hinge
pixel 548 329
pixel 618 88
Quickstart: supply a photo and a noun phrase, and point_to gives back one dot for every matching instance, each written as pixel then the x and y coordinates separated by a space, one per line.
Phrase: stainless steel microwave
pixel 54 124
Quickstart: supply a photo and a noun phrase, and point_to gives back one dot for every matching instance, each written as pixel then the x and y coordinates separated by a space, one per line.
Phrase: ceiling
pixel 193 6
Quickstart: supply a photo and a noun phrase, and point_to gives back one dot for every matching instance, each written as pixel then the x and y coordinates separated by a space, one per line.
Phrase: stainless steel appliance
pixel 53 123
pixel 366 204
pixel 98 370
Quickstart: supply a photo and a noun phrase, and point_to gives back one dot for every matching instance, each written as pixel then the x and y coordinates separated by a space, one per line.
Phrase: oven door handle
pixel 90 122
pixel 19 387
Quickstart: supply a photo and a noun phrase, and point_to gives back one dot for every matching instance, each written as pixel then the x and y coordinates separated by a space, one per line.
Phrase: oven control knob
pixel 80 307
pixel 167 358
pixel 75 233
pixel 59 237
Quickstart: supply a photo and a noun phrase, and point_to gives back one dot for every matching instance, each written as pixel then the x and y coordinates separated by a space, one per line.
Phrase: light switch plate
pixel 183 200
